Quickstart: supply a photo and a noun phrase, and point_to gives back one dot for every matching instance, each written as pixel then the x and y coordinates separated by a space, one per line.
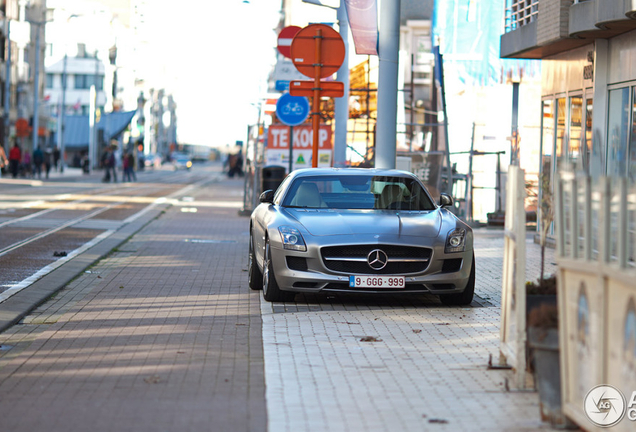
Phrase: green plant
pixel 545 286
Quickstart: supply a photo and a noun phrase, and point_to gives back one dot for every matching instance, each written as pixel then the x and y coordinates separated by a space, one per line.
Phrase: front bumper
pixel 306 271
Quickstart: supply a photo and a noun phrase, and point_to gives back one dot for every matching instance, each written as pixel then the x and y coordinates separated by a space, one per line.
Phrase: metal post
pixel 36 87
pixel 315 115
pixel 468 194
pixel 498 181
pixel 91 129
pixel 7 90
pixel 342 103
pixel 412 88
pixel 60 139
pixel 291 149
pixel 388 48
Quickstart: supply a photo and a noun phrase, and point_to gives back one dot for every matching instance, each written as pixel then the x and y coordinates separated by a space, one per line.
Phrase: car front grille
pixel 353 259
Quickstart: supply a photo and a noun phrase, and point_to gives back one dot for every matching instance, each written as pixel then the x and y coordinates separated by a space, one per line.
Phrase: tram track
pixel 117 206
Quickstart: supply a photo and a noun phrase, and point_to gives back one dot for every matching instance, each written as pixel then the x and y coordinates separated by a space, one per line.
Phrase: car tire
pixel 466 297
pixel 271 291
pixel 254 275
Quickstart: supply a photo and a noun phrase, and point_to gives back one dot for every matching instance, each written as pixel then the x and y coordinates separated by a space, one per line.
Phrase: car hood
pixel 352 222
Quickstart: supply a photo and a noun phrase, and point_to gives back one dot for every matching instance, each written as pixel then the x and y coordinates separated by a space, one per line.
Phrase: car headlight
pixel 292 239
pixel 455 241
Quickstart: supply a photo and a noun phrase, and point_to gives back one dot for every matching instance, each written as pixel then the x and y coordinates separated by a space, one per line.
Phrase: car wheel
pixel 466 297
pixel 271 291
pixel 254 275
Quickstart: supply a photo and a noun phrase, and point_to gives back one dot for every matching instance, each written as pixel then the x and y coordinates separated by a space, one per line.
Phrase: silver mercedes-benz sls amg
pixel 358 230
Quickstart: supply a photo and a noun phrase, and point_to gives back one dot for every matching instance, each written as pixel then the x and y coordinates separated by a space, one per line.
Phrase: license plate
pixel 376 282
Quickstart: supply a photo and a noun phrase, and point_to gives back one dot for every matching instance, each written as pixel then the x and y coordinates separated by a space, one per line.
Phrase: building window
pixel 547 148
pixel 49 81
pixel 587 150
pixel 576 123
pixel 632 141
pixel 617 132
pixel 560 151
pixel 83 82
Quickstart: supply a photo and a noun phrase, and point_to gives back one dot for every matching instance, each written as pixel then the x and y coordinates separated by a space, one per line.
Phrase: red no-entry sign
pixel 285 38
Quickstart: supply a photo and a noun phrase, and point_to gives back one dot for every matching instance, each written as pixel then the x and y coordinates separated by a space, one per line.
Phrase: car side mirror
pixel 445 200
pixel 267 197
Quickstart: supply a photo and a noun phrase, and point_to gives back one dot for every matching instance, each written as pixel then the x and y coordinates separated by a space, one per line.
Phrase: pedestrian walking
pixel 15 156
pixel 26 164
pixel 38 160
pixel 48 159
pixel 4 162
pixel 110 165
pixel 131 166
pixel 126 166
pixel 56 158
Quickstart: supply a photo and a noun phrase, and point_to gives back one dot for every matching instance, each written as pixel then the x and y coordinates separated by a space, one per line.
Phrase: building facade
pixel 588 53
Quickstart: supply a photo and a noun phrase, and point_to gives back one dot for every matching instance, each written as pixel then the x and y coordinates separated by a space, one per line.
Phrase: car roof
pixel 312 172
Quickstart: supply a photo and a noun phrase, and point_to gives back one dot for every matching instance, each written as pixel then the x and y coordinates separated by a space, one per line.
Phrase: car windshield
pixel 358 192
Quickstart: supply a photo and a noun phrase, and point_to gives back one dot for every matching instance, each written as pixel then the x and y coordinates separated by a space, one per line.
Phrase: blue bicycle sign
pixel 292 110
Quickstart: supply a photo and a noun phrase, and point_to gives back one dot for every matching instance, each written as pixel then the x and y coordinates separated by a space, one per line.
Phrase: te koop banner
pixel 279 137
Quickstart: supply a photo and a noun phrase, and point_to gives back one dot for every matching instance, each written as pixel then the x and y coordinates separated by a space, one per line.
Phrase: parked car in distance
pixel 152 160
pixel 358 230
pixel 181 161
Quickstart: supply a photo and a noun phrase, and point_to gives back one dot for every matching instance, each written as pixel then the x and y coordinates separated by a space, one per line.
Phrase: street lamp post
pixel 7 89
pixel 62 112
pixel 36 85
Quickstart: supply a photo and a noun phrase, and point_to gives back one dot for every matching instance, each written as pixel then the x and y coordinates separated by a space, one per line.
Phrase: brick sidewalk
pixel 164 335
pixel 425 367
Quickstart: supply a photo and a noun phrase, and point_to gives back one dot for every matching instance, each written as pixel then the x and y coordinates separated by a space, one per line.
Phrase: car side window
pixel 279 192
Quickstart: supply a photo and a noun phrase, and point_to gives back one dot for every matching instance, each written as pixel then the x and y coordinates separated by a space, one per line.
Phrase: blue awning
pixel 76 127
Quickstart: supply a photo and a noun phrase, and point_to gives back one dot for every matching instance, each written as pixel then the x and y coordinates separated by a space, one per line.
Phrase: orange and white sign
pixel 279 137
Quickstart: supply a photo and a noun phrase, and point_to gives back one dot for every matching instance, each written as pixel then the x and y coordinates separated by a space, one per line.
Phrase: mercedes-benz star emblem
pixel 377 259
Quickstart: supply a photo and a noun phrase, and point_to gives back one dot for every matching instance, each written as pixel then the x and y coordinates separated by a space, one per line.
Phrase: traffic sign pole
pixel 291 148
pixel 311 61
pixel 316 102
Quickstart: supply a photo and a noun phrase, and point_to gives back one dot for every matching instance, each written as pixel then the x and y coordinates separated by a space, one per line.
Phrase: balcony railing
pixel 519 13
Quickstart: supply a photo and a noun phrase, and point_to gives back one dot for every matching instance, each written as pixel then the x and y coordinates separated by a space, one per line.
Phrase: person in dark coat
pixel 38 160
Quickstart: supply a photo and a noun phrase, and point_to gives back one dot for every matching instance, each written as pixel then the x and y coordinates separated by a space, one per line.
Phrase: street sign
pixel 306 88
pixel 285 38
pixel 282 85
pixel 317 44
pixel 292 110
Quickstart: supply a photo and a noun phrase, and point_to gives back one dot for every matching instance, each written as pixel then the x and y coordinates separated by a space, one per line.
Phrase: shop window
pixel 547 140
pixel 587 148
pixel 560 151
pixel 617 132
pixel 632 142
pixel 576 121
pixel 547 149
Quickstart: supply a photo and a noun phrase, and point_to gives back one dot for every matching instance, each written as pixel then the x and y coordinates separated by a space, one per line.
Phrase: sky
pixel 216 64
